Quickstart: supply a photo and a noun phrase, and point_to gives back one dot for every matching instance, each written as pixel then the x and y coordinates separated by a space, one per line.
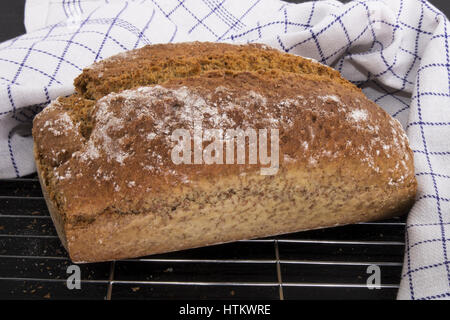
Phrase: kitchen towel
pixel 397 51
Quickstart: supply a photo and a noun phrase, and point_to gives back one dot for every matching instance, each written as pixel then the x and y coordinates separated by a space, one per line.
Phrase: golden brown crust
pixel 118 194
pixel 158 63
pixel 57 217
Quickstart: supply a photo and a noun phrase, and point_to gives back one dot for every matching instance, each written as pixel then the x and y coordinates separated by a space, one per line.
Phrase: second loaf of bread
pixel 104 154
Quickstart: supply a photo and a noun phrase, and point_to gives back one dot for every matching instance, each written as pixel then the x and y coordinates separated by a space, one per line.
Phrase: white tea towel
pixel 396 50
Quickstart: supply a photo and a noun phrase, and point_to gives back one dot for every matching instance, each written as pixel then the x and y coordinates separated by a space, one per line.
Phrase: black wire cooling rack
pixel 321 264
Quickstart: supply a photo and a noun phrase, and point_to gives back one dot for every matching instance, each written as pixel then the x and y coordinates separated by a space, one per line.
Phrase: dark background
pixel 11 16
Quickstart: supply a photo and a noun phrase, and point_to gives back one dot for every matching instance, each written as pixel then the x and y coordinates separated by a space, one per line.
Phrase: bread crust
pixel 56 216
pixel 114 192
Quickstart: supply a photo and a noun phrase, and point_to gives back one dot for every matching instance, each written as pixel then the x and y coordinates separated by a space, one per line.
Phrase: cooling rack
pixel 321 264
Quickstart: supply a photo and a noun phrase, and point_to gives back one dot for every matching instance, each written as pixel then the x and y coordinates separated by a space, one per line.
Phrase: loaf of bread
pixel 105 155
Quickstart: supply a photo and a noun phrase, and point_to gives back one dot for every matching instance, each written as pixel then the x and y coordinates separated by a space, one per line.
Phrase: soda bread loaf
pixel 105 154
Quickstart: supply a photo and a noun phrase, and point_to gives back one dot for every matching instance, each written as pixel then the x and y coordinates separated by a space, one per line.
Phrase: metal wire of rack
pixel 321 264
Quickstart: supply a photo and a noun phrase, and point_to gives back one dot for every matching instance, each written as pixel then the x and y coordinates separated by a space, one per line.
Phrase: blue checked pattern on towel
pixel 396 50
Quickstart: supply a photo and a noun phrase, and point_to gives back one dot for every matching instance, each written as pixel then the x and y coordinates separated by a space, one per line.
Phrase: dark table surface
pixel 11 16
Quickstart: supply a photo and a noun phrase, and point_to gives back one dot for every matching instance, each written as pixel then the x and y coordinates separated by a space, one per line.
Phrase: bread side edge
pixel 54 212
